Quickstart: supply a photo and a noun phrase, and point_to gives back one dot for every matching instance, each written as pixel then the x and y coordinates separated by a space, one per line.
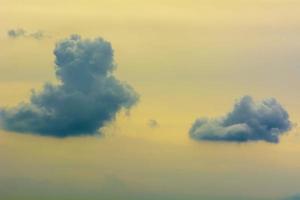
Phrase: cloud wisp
pixel 19 33
pixel 249 121
pixel 152 123
pixel 87 98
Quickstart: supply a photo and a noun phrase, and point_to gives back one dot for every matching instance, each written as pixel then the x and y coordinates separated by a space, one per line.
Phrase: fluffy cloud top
pixel 88 97
pixel 249 121
pixel 19 32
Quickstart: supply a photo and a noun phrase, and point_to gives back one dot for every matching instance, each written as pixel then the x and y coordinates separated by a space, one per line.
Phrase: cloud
pixel 249 121
pixel 19 33
pixel 295 197
pixel 15 33
pixel 87 98
pixel 37 35
pixel 152 123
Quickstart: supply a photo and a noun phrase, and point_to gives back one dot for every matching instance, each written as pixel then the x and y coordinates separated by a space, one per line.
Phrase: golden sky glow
pixel 186 59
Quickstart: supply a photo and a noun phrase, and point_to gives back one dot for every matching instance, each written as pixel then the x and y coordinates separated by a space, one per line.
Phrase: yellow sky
pixel 186 59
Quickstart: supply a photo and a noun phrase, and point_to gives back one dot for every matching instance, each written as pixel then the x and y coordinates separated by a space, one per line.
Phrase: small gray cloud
pixel 15 33
pixel 37 35
pixel 21 33
pixel 152 123
pixel 88 97
pixel 249 121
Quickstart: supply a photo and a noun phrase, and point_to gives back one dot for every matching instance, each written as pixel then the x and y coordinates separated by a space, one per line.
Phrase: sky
pixel 151 99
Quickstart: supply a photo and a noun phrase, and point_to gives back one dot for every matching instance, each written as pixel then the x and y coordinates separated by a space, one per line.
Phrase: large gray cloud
pixel 87 98
pixel 249 121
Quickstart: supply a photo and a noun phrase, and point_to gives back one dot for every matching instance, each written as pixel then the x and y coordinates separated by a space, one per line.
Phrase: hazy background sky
pixel 186 59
